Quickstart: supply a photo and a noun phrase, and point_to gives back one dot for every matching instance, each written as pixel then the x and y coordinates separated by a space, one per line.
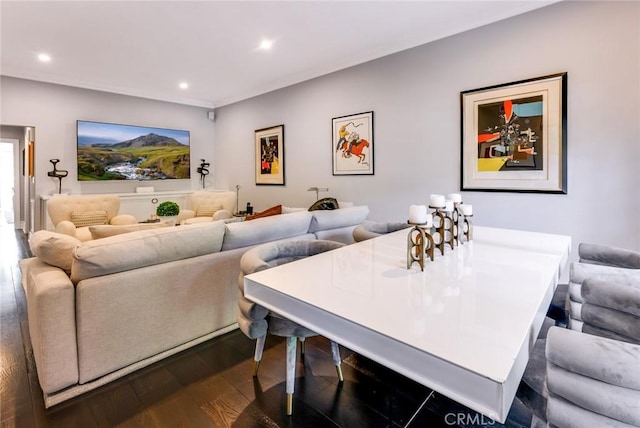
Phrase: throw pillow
pixel 104 231
pixel 208 210
pixel 89 218
pixel 55 249
pixel 266 213
pixel 325 204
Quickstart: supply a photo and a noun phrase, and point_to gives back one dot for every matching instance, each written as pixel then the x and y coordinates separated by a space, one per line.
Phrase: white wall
pixel 54 109
pixel 415 97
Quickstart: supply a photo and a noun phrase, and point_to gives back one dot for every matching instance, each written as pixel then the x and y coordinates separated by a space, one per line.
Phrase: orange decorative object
pixel 31 159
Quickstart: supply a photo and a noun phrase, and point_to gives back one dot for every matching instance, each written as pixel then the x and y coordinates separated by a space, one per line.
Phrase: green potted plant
pixel 168 210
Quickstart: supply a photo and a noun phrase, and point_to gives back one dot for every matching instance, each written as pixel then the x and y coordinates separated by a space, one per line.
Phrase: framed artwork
pixel 270 156
pixel 514 136
pixel 352 144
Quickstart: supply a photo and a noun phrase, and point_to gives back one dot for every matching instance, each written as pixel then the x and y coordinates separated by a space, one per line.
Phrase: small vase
pixel 169 219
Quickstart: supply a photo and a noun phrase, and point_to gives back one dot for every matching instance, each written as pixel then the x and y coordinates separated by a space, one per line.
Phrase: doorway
pixel 9 202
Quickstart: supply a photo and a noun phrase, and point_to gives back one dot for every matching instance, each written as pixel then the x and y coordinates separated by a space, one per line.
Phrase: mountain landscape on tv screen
pixel 147 157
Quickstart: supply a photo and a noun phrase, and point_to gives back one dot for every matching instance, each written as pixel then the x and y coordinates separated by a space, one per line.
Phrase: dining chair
pixel 589 375
pixel 369 230
pixel 256 321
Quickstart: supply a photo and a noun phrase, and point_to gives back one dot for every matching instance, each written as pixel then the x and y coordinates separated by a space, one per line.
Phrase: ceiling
pixel 146 48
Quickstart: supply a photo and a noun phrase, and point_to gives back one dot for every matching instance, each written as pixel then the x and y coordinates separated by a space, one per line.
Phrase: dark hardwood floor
pixel 211 385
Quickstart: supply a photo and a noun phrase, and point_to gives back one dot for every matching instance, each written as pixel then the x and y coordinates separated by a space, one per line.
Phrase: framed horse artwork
pixel 352 144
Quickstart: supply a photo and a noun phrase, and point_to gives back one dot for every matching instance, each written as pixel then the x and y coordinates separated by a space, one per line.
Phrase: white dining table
pixel 464 327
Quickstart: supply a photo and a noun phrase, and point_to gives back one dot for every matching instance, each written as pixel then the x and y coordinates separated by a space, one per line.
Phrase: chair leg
pixel 257 356
pixel 302 348
pixel 291 371
pixel 335 353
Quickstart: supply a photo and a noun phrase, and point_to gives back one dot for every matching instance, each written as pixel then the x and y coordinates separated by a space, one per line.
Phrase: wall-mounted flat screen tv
pixel 109 151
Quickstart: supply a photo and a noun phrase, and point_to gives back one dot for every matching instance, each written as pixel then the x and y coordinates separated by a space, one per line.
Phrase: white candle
pixel 455 197
pixel 436 201
pixel 466 209
pixel 448 205
pixel 418 214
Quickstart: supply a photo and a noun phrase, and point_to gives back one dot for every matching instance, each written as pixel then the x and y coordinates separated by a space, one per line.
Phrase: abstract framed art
pixel 352 144
pixel 270 156
pixel 514 136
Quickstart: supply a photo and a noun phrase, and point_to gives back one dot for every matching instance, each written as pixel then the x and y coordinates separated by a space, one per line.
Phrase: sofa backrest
pixel 145 248
pixel 266 229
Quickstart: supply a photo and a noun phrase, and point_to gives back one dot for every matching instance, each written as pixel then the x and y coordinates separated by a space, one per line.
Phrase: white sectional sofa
pixel 101 309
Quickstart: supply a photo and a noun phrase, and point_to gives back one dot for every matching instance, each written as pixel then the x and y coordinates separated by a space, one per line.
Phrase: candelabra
pixel 439 227
pixel 467 227
pixel 419 244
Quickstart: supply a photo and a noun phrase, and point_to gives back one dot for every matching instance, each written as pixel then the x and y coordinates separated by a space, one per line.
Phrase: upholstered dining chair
pixel 591 377
pixel 369 230
pixel 567 297
pixel 256 321
pixel 619 268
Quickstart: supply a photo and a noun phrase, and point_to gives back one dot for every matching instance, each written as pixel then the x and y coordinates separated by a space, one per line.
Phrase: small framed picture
pixel 514 136
pixel 352 144
pixel 270 156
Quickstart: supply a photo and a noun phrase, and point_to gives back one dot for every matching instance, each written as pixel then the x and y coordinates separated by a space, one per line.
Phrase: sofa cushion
pixel 266 213
pixel 334 219
pixel 266 229
pixel 55 249
pixel 89 218
pixel 145 248
pixel 104 231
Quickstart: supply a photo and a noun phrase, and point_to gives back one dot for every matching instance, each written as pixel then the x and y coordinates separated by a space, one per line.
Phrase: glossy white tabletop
pixel 474 307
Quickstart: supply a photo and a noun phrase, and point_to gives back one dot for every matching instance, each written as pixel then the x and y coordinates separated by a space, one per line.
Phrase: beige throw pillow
pixel 89 218
pixel 208 210
pixel 55 249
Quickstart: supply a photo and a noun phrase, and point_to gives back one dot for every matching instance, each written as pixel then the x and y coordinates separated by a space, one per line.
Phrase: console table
pixel 464 326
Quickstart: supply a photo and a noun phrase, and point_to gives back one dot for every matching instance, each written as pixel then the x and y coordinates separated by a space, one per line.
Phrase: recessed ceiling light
pixel 43 57
pixel 183 85
pixel 265 45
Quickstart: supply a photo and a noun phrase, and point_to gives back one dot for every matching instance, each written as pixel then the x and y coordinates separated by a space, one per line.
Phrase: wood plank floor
pixel 211 385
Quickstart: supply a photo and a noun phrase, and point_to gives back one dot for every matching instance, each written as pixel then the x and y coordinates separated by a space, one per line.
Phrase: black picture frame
pixel 514 136
pixel 270 160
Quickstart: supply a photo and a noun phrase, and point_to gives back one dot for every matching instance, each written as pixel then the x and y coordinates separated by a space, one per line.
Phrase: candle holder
pixel 450 228
pixel 419 244
pixel 467 227
pixel 57 173
pixel 458 219
pixel 440 227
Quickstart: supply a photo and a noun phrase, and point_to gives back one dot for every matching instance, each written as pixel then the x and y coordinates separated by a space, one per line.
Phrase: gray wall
pixel 54 109
pixel 415 97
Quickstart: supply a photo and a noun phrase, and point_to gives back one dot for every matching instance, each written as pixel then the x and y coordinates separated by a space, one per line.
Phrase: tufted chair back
pixel 73 214
pixel 256 321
